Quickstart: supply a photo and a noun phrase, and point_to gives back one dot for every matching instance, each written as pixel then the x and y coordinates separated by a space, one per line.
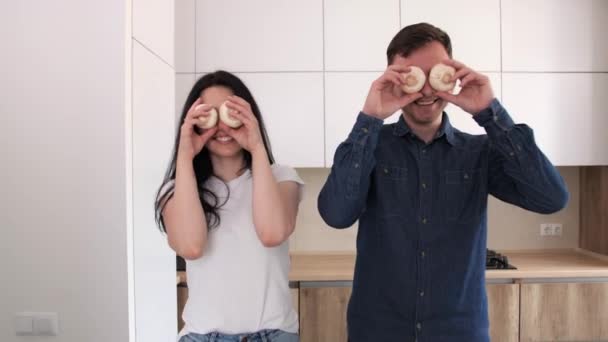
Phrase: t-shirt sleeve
pixel 283 173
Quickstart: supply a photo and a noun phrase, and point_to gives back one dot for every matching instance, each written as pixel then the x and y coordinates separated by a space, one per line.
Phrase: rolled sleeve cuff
pixel 494 119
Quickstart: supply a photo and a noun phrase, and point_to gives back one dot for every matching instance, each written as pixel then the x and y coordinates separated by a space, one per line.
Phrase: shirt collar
pixel 401 128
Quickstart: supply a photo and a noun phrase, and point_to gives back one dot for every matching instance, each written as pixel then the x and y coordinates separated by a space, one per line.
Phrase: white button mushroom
pixel 226 118
pixel 206 122
pixel 440 77
pixel 414 80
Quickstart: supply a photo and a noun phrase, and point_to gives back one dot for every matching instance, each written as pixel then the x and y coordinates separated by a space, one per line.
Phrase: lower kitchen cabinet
pixel 503 312
pixel 564 312
pixel 323 314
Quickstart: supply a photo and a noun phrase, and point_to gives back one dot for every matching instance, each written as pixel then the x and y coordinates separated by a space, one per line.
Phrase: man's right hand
pixel 385 96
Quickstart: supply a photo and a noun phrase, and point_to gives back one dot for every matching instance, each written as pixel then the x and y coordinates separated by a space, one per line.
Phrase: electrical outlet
pixel 546 229
pixel 557 229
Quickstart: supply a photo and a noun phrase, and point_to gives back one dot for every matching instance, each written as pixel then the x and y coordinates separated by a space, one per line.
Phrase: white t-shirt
pixel 240 286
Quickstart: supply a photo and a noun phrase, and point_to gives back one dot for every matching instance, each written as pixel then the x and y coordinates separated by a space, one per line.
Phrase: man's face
pixel 426 110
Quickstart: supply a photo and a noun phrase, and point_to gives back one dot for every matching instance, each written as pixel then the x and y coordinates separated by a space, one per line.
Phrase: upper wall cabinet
pixel 267 35
pixel 154 27
pixel 358 32
pixel 473 26
pixel 345 94
pixel 185 16
pixel 549 35
pixel 292 108
pixel 567 112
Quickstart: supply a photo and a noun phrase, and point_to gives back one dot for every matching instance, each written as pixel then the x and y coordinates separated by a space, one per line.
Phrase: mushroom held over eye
pixel 441 76
pixel 206 122
pixel 414 80
pixel 227 118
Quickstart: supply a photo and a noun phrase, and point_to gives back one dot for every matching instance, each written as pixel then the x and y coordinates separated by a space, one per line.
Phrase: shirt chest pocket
pixel 463 194
pixel 393 191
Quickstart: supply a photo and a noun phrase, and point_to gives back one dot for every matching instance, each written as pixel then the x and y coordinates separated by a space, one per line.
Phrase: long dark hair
pixel 203 168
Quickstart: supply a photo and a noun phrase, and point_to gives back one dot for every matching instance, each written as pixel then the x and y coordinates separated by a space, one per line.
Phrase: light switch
pixel 45 324
pixel 24 324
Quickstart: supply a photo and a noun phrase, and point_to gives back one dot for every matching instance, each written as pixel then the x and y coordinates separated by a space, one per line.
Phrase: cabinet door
pixel 503 311
pixel 565 112
pixel 564 312
pixel 323 313
pixel 554 36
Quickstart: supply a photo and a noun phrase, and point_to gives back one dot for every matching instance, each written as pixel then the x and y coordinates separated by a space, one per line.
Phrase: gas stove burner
pixel 497 261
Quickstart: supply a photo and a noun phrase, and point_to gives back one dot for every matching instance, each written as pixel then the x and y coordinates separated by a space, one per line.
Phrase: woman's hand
pixel 190 142
pixel 248 135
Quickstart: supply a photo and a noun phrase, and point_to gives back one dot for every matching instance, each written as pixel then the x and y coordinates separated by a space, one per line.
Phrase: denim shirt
pixel 422 211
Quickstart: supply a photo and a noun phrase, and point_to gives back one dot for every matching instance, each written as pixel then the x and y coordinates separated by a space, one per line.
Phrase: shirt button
pixel 385 170
pixel 424 185
pixel 356 165
pixel 421 293
pixel 423 150
pixel 466 176
pixel 422 254
pixel 365 130
pixel 418 326
pixel 424 220
pixel 511 154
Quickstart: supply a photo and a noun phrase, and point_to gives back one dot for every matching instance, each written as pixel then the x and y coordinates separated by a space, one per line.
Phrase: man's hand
pixel 385 96
pixel 476 91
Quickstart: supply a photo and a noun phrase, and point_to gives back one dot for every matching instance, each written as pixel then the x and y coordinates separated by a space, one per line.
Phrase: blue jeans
pixel 260 336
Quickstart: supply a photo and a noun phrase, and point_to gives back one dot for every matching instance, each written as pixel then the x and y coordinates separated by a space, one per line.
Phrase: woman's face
pixel 221 144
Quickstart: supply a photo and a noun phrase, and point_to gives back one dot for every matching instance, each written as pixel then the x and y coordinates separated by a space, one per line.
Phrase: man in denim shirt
pixel 419 189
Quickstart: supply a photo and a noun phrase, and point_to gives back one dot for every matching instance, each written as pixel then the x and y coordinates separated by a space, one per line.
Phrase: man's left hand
pixel 476 91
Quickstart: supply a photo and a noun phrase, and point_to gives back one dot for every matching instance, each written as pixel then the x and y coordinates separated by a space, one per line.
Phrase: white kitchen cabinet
pixel 292 108
pixel 567 112
pixel 345 94
pixel 473 26
pixel 354 39
pixel 154 27
pixel 153 134
pixel 269 35
pixel 548 35
pixel 183 85
pixel 185 18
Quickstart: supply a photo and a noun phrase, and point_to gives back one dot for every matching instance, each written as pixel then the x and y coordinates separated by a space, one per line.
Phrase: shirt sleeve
pixel 342 198
pixel 284 173
pixel 519 173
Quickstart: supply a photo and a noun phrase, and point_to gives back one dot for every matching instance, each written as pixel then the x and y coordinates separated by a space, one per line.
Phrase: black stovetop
pixel 497 261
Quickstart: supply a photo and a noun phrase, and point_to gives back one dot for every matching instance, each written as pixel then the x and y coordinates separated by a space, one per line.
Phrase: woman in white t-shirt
pixel 229 211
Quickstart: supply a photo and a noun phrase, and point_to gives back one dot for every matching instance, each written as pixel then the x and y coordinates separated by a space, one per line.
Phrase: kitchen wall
pixel 509 227
pixel 63 242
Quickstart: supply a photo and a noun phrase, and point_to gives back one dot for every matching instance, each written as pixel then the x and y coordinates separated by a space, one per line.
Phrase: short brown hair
pixel 415 36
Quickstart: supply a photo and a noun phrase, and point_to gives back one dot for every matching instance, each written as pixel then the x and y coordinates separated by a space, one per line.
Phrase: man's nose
pixel 427 90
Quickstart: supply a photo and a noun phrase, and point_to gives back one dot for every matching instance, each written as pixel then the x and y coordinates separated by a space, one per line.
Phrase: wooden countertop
pixel 567 263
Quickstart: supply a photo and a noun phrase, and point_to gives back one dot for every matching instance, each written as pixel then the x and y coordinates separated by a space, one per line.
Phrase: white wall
pixel 62 151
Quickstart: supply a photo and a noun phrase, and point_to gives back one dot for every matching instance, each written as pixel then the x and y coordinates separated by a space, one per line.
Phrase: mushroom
pixel 441 76
pixel 207 121
pixel 414 80
pixel 226 118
